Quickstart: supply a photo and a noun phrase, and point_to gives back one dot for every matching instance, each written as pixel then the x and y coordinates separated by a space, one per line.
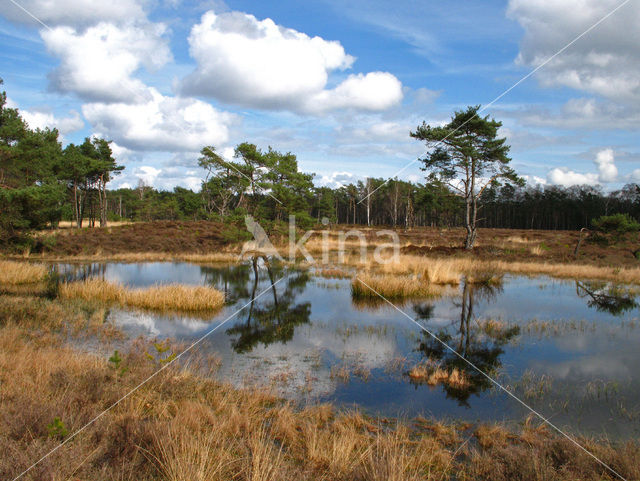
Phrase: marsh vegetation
pixel 264 381
pixel 184 425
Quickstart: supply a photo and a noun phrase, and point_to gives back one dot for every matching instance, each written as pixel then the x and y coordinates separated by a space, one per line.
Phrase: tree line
pixel 396 203
pixel 468 182
pixel 42 183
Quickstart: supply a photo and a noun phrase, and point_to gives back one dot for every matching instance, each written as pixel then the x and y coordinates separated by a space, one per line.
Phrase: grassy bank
pixel 181 425
pixel 450 270
pixel 173 297
pixel 15 273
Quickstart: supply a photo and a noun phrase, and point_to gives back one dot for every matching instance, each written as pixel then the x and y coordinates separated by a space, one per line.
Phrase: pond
pixel 569 349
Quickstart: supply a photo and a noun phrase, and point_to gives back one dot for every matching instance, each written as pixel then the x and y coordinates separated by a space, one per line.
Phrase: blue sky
pixel 340 84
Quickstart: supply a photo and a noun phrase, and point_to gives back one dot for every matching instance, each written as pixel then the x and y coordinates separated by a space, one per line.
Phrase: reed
pixel 391 286
pixel 16 273
pixel 171 297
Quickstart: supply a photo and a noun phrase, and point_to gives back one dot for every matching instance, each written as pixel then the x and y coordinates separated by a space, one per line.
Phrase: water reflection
pixel 233 280
pixel 606 297
pixel 480 344
pixel 302 327
pixel 276 319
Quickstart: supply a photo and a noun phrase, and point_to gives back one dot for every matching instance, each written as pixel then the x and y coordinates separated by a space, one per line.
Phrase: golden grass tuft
pixel 536 250
pixel 16 273
pixel 434 271
pixel 160 297
pixel 369 286
pixel 333 273
pixel 434 375
pixel 440 271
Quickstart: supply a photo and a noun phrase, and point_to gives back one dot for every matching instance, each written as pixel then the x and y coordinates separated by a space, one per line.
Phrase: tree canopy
pixel 468 156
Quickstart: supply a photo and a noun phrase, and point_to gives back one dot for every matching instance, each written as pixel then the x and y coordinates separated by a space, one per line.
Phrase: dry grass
pixel 567 271
pixel 392 287
pixel 434 375
pixel 183 427
pixel 16 273
pixel 173 297
pixel 333 273
pixel 536 250
pixel 317 244
pixel 447 270
pixel 216 257
pixel 434 271
pixel 515 239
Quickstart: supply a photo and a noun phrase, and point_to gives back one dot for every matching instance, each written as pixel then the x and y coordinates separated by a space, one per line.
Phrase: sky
pixel 339 84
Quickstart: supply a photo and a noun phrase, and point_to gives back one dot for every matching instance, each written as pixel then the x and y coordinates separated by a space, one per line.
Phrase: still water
pixel 569 349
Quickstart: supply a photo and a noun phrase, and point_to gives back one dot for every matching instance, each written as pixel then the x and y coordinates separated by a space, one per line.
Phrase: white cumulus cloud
pixel 373 91
pixel 163 123
pixel 258 63
pixel 41 120
pixel 565 177
pixel 97 63
pixel 607 170
pixel 337 179
pixel 147 174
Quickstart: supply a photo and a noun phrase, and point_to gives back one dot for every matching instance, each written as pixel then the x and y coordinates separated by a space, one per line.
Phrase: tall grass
pixel 15 273
pixel 391 286
pixel 448 270
pixel 160 297
pixel 434 375
pixel 433 271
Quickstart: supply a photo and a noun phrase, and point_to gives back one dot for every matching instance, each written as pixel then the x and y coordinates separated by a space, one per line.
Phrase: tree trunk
pixel 368 203
pixel 472 207
pixel 467 224
pixel 76 217
pixel 395 207
pixel 81 204
pixel 102 196
pixel 354 211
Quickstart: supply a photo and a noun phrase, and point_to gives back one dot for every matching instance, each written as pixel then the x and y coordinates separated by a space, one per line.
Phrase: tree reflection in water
pixel 232 279
pixel 480 344
pixel 606 297
pixel 275 318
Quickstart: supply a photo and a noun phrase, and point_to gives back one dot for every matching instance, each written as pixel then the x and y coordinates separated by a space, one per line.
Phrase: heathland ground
pixel 182 425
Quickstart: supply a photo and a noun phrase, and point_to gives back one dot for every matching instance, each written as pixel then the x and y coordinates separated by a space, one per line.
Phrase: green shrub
pixel 57 429
pixel 616 225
